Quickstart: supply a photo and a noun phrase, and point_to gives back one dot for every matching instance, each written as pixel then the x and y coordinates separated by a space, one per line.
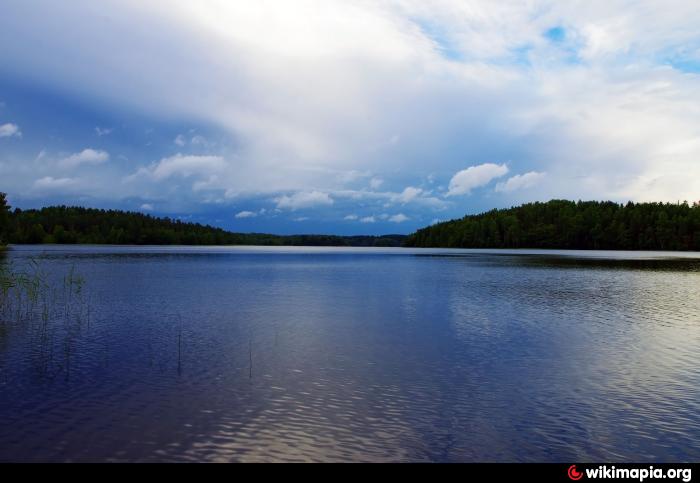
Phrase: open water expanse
pixel 333 354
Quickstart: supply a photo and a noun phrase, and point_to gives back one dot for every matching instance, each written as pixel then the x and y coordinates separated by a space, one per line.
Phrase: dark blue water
pixel 185 354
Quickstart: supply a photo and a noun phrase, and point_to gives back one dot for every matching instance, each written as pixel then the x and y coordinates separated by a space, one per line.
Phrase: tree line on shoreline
pixel 76 225
pixel 562 224
pixel 556 224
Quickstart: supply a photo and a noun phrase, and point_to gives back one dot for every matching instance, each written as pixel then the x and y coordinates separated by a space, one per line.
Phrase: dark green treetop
pixel 4 218
pixel 582 225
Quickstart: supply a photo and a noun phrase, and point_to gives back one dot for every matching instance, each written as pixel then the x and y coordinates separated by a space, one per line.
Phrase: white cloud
pixel 473 177
pixel 49 183
pixel 185 166
pixel 245 214
pixel 10 130
pixel 375 183
pixel 415 196
pixel 520 181
pixel 351 218
pixel 368 219
pixel 199 140
pixel 103 131
pixel 147 207
pixel 42 154
pixel 350 176
pixel 304 199
pixel 606 112
pixel 86 157
pixel 400 218
pixel 407 195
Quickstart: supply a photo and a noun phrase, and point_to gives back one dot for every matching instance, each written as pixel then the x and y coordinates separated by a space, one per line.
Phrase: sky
pixel 346 116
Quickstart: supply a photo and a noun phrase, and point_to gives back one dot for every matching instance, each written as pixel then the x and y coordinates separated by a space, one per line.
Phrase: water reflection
pixel 362 355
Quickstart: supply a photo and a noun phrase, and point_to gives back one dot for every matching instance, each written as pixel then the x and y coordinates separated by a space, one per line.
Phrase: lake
pixel 328 354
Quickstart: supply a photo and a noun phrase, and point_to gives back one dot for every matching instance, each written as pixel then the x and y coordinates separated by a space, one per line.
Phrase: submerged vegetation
pixel 561 224
pixel 73 225
pixel 49 314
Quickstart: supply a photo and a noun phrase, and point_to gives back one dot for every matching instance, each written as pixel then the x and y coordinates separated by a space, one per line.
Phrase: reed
pixel 51 314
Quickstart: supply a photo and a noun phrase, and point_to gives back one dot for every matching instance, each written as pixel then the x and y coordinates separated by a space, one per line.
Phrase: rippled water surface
pixel 298 354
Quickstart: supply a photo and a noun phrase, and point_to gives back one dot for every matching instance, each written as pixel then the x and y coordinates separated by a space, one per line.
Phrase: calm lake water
pixel 323 354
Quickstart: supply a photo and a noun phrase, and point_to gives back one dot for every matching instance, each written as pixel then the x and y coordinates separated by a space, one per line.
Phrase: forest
pixel 582 225
pixel 4 219
pixel 75 225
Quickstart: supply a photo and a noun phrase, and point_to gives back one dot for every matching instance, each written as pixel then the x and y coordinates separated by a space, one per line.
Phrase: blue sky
pixel 346 117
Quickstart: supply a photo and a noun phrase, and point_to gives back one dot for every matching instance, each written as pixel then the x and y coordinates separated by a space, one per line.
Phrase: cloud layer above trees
pixel 411 109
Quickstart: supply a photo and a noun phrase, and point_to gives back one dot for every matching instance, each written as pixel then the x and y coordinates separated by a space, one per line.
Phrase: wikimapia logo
pixel 574 474
pixel 639 474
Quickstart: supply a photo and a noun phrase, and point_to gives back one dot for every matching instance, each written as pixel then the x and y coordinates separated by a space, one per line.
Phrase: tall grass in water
pixel 20 292
pixel 45 313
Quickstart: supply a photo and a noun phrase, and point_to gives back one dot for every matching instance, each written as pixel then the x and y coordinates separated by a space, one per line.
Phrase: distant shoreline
pixel 554 225
pixel 569 225
pixel 64 225
pixel 446 251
